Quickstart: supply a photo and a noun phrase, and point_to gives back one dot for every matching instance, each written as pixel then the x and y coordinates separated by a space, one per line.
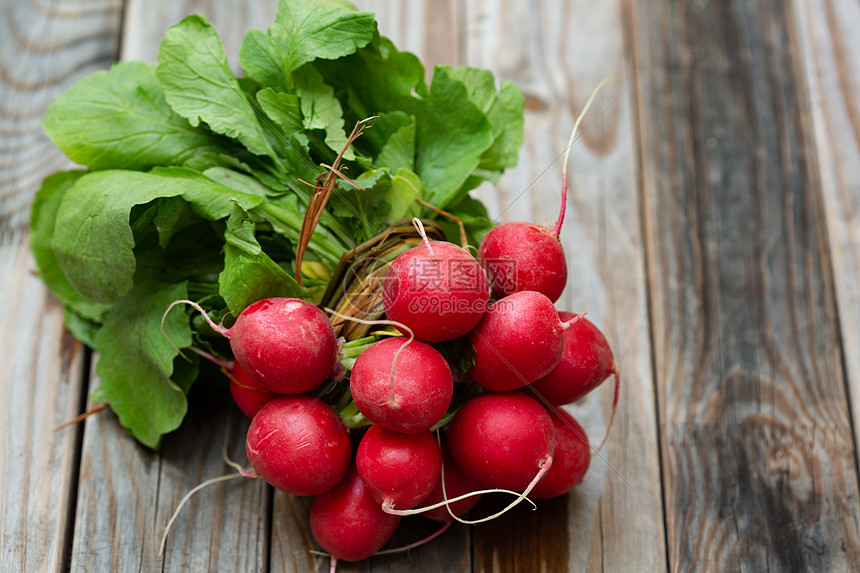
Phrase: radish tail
pixel 418 543
pixel 611 416
pixel 386 507
pixel 226 457
pixel 563 208
pixel 544 468
pixel 184 501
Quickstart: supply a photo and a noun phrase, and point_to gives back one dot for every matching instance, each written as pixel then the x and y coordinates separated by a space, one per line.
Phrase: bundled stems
pixel 396 354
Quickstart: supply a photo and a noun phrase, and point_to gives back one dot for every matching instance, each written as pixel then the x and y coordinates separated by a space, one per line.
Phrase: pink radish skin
pixel 456 484
pixel 440 295
pixel 570 460
pixel 400 470
pixel 518 341
pixel 248 394
pixel 501 440
pixel 521 256
pixel 422 385
pixel 586 362
pixel 299 445
pixel 286 344
pixel 348 523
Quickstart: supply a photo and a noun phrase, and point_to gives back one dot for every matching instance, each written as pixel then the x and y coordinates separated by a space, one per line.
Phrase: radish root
pixel 388 508
pixel 240 473
pixel 185 499
pixel 611 416
pixel 418 543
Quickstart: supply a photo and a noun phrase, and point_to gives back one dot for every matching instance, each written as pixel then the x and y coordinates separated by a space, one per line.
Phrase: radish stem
pixel 581 115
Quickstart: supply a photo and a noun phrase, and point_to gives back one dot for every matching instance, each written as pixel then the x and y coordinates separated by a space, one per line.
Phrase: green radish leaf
pixel 249 273
pixel 119 119
pixel 209 199
pixel 405 188
pixel 42 229
pixel 399 151
pixel 81 327
pixel 199 86
pixel 377 79
pixel 320 109
pixel 171 217
pixel 328 30
pixel 505 151
pixel 240 182
pixel 503 108
pixel 453 134
pixel 262 60
pixel 93 242
pixel 282 108
pixel 136 360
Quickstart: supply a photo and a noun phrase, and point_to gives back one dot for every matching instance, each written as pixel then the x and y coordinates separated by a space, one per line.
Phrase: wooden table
pixel 713 235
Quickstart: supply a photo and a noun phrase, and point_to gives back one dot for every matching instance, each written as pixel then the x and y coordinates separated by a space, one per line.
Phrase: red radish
pixel 570 459
pixel 248 394
pixel 299 445
pixel 400 470
pixel 348 523
pixel 522 256
pixel 518 341
pixel 286 344
pixel 502 440
pixel 408 398
pixel 456 484
pixel 438 290
pixel 586 362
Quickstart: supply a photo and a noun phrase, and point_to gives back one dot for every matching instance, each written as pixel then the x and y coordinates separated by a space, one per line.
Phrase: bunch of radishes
pixel 524 358
pixel 527 358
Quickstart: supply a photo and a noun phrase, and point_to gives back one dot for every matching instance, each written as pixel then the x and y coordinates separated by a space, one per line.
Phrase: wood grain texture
pixel 831 56
pixel 758 458
pixel 127 493
pixel 533 45
pixel 44 48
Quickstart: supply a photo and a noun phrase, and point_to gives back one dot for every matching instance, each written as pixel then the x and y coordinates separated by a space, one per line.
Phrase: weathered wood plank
pixel 831 56
pixel 127 493
pixel 43 49
pixel 557 52
pixel 758 460
pixel 432 30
